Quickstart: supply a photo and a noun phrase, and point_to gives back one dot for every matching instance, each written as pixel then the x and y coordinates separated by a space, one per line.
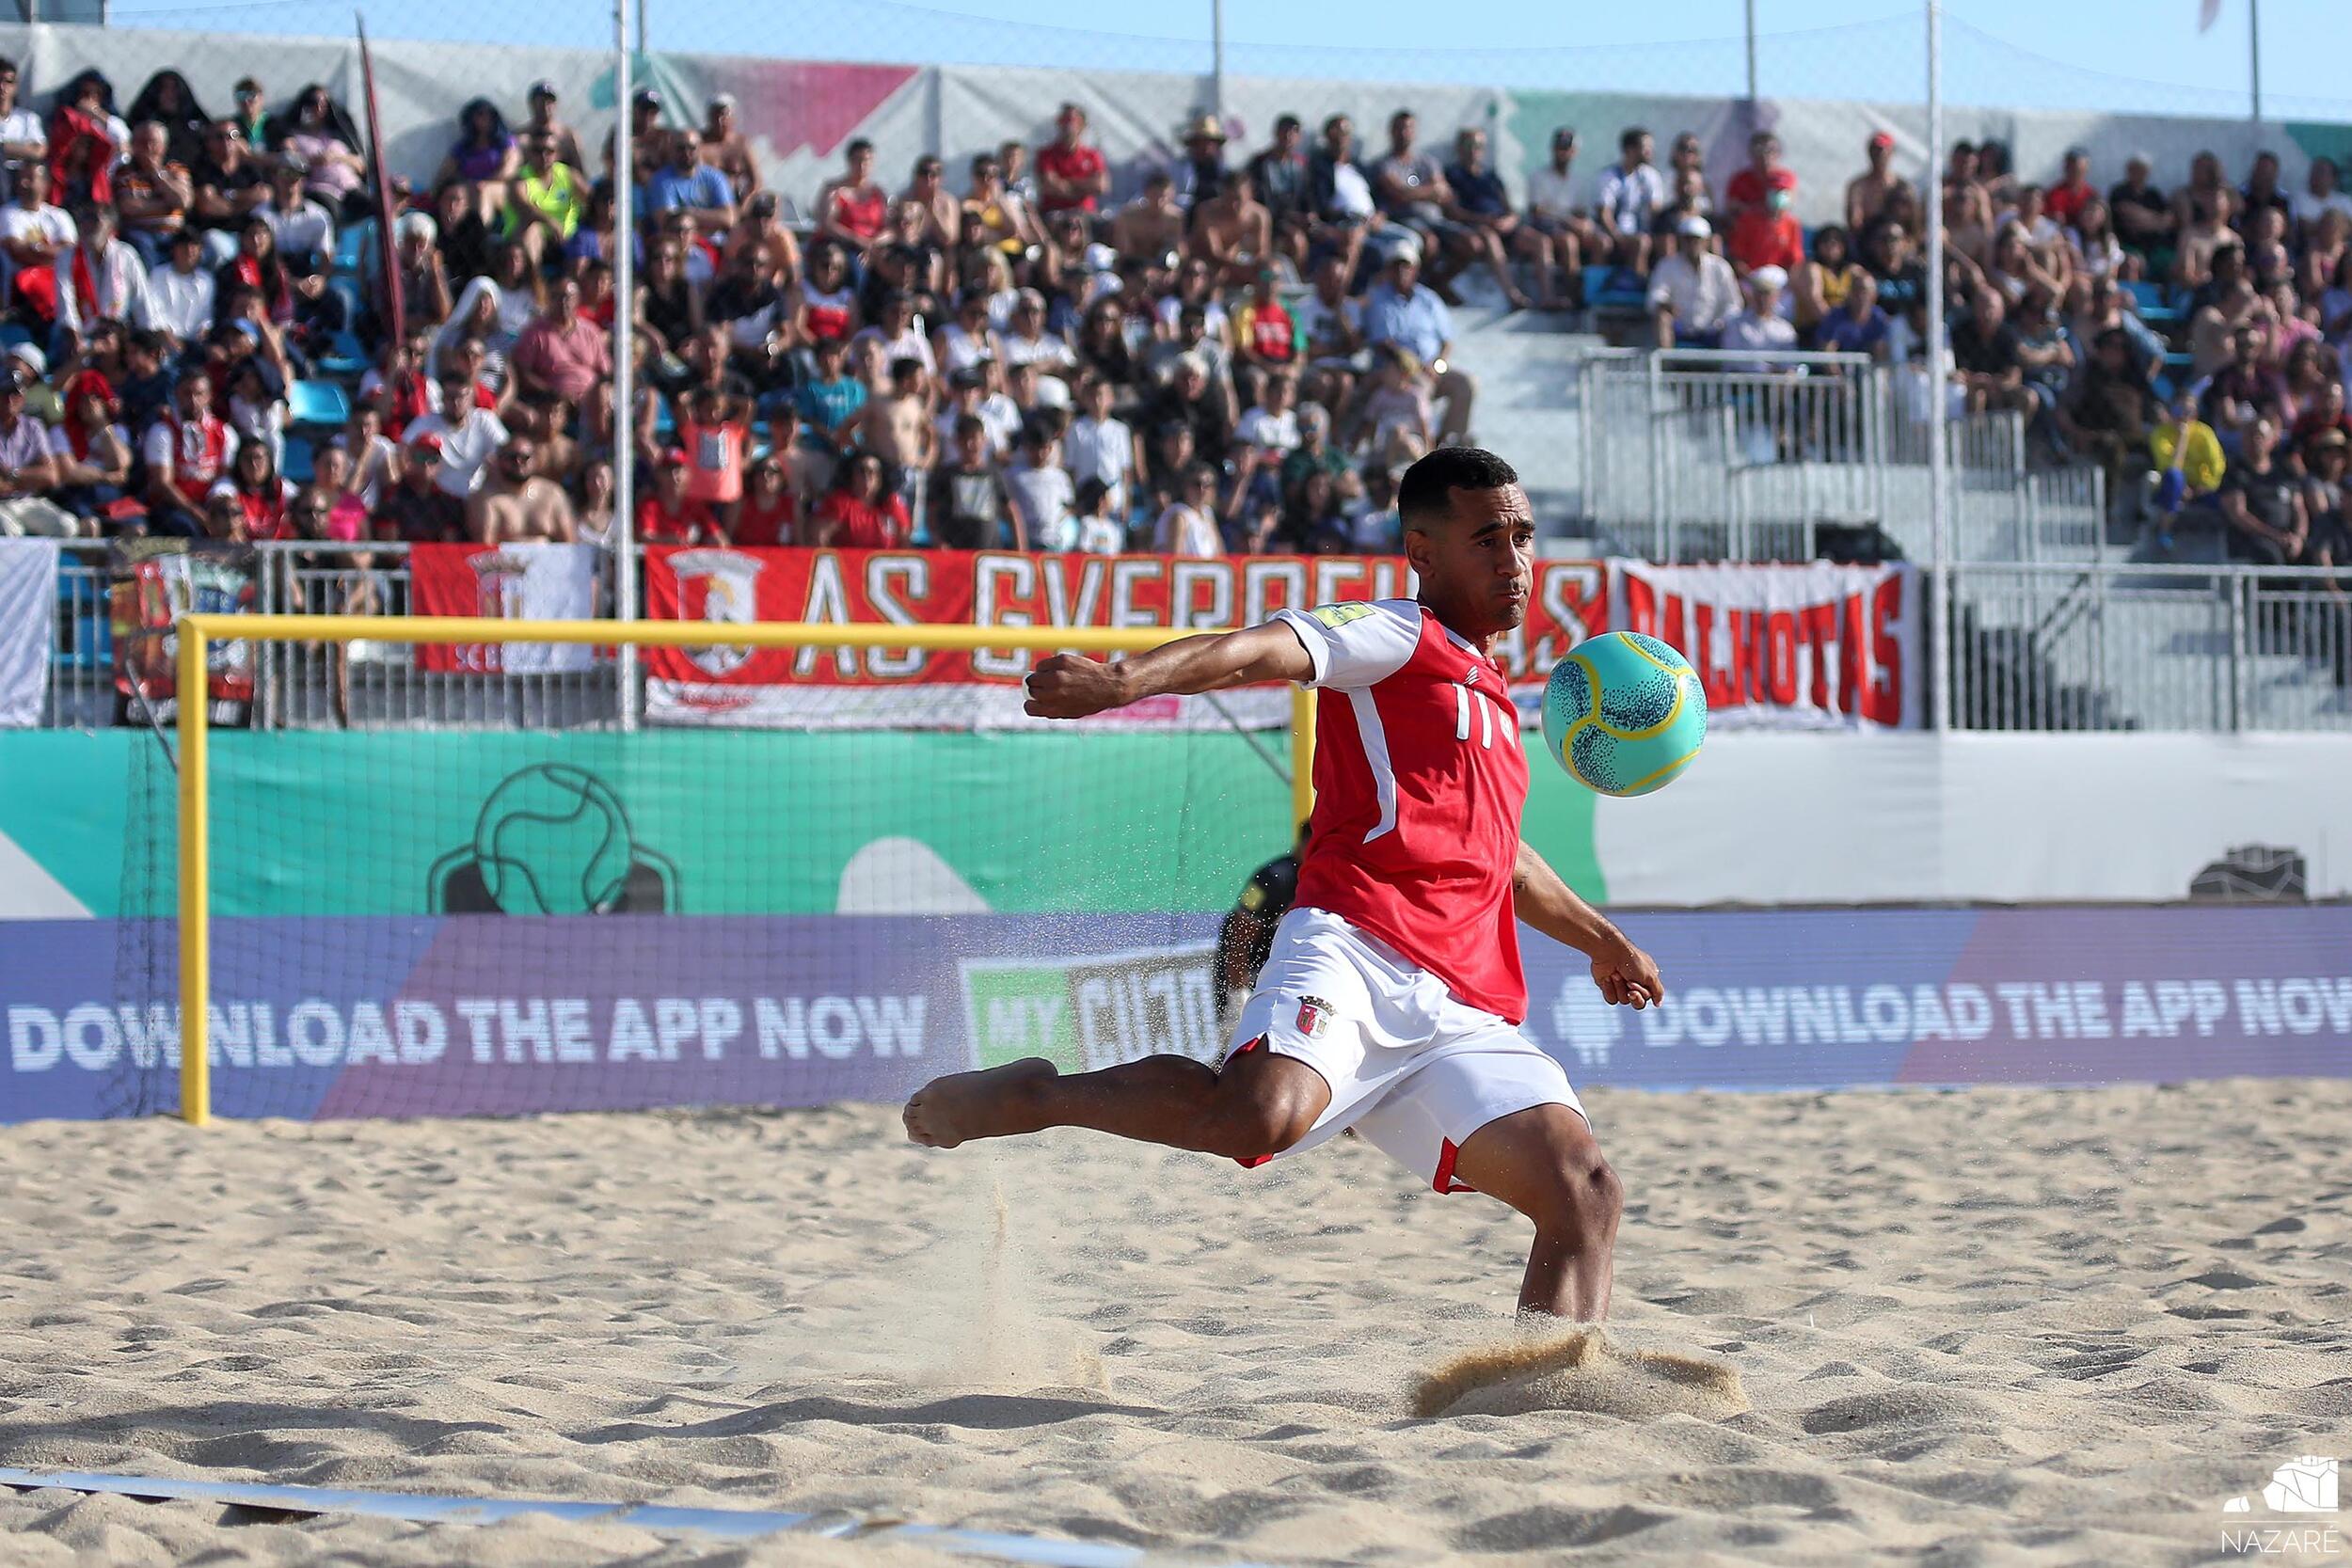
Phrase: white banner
pixel 514 582
pixel 1815 646
pixel 28 628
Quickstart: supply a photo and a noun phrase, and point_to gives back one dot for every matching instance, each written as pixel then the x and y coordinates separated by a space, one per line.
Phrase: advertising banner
pixel 514 582
pixel 154 581
pixel 467 1014
pixel 28 617
pixel 1813 646
pixel 897 687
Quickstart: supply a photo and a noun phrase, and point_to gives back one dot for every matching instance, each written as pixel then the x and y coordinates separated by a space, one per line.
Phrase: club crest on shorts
pixel 1314 1017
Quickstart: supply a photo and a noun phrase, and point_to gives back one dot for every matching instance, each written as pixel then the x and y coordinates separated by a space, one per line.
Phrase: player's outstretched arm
pixel 1072 686
pixel 1623 972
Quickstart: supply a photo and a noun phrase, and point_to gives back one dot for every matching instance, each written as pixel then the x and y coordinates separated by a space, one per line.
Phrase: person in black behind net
pixel 1248 934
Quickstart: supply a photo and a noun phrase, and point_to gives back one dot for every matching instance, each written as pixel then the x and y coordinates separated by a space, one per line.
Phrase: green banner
pixel 698 822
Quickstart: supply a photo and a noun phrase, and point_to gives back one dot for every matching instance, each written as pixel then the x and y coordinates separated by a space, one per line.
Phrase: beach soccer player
pixel 1390 999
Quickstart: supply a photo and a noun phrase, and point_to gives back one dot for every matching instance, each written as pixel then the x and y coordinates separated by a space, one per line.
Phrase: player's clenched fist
pixel 1072 686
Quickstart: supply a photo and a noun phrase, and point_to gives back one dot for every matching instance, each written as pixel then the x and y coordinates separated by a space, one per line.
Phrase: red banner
pixel 744 685
pixel 1808 646
pixel 514 582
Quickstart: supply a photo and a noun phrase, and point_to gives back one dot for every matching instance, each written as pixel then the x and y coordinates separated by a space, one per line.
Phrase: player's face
pixel 1477 566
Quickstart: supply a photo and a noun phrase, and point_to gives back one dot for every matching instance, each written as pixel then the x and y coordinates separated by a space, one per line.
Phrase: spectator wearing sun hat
pixel 1761 327
pixel 1200 174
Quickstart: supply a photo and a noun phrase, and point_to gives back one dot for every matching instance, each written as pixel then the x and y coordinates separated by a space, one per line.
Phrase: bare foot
pixel 993 1102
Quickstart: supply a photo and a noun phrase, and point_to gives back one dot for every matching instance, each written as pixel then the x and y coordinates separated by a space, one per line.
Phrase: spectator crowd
pixel 1239 358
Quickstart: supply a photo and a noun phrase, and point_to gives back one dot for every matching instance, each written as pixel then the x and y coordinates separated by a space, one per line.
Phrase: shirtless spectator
pixel 1868 193
pixel 542 121
pixel 897 427
pixel 942 214
pixel 1069 173
pixel 1151 225
pixel 1232 231
pixel 515 505
pixel 725 149
pixel 1632 191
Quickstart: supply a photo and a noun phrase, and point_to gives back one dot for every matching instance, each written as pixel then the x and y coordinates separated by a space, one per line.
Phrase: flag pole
pixel 2254 53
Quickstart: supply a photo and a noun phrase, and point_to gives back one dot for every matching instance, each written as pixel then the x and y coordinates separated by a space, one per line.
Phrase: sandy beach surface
pixel 1993 1326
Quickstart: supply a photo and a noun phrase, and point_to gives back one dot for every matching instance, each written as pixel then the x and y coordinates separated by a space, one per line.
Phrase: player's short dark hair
pixel 1425 497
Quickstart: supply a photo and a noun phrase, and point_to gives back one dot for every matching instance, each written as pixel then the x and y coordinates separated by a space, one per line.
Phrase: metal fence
pixel 2108 646
pixel 306 686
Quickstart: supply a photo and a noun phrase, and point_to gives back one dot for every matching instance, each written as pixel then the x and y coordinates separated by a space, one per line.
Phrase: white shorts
pixel 1410 1067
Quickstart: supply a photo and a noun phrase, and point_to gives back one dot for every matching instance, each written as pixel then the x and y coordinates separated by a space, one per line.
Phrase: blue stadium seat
pixel 351 245
pixel 299 465
pixel 2149 300
pixel 353 302
pixel 1598 295
pixel 318 403
pixel 345 358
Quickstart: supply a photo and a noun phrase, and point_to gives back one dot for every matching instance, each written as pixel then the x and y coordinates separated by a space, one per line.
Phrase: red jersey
pixel 1420 779
pixel 658 527
pixel 1067 162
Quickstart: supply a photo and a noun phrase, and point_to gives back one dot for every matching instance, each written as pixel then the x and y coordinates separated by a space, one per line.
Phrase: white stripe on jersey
pixel 1375 740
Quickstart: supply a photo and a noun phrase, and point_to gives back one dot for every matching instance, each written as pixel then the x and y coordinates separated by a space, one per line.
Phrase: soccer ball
pixel 1623 713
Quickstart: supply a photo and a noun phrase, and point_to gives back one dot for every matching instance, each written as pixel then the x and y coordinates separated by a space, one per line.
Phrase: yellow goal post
pixel 197 632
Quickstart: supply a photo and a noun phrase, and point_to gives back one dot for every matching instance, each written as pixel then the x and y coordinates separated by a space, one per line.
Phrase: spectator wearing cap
pixel 1762 325
pixel 1693 291
pixel 1069 172
pixel 32 367
pixel 152 196
pixel 186 451
pixel 1632 191
pixel 251 121
pixel 1868 193
pixel 99 276
pixel 1277 173
pixel 27 471
pixel 1200 173
pixel 1403 312
pixel 725 149
pixel 542 120
pixel 1554 211
pixel 417 507
pixel 685 183
pixel 304 230
pixel 1480 206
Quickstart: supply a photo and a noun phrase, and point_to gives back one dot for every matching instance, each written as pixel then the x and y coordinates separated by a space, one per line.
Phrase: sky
pixel 2119 55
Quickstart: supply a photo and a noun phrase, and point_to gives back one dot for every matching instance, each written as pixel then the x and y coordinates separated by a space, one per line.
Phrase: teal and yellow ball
pixel 1624 714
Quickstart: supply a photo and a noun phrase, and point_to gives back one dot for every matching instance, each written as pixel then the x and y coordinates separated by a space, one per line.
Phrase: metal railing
pixel 308 686
pixel 2108 646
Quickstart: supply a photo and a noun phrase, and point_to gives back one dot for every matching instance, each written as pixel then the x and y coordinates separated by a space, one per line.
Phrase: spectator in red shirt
pixel 769 515
pixel 1755 183
pixel 2064 200
pixel 857 514
pixel 669 515
pixel 1767 234
pixel 1069 172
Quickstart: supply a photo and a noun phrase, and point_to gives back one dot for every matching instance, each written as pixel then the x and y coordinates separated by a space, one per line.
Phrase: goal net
pixel 420 906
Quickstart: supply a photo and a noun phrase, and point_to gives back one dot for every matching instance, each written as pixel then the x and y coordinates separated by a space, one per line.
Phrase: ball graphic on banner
pixel 553 839
pixel 1623 713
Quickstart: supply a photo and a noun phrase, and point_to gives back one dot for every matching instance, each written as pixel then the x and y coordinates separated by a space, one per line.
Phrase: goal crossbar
pixel 196 633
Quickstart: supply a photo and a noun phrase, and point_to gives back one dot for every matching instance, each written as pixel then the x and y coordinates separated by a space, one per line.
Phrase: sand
pixel 1985 1327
